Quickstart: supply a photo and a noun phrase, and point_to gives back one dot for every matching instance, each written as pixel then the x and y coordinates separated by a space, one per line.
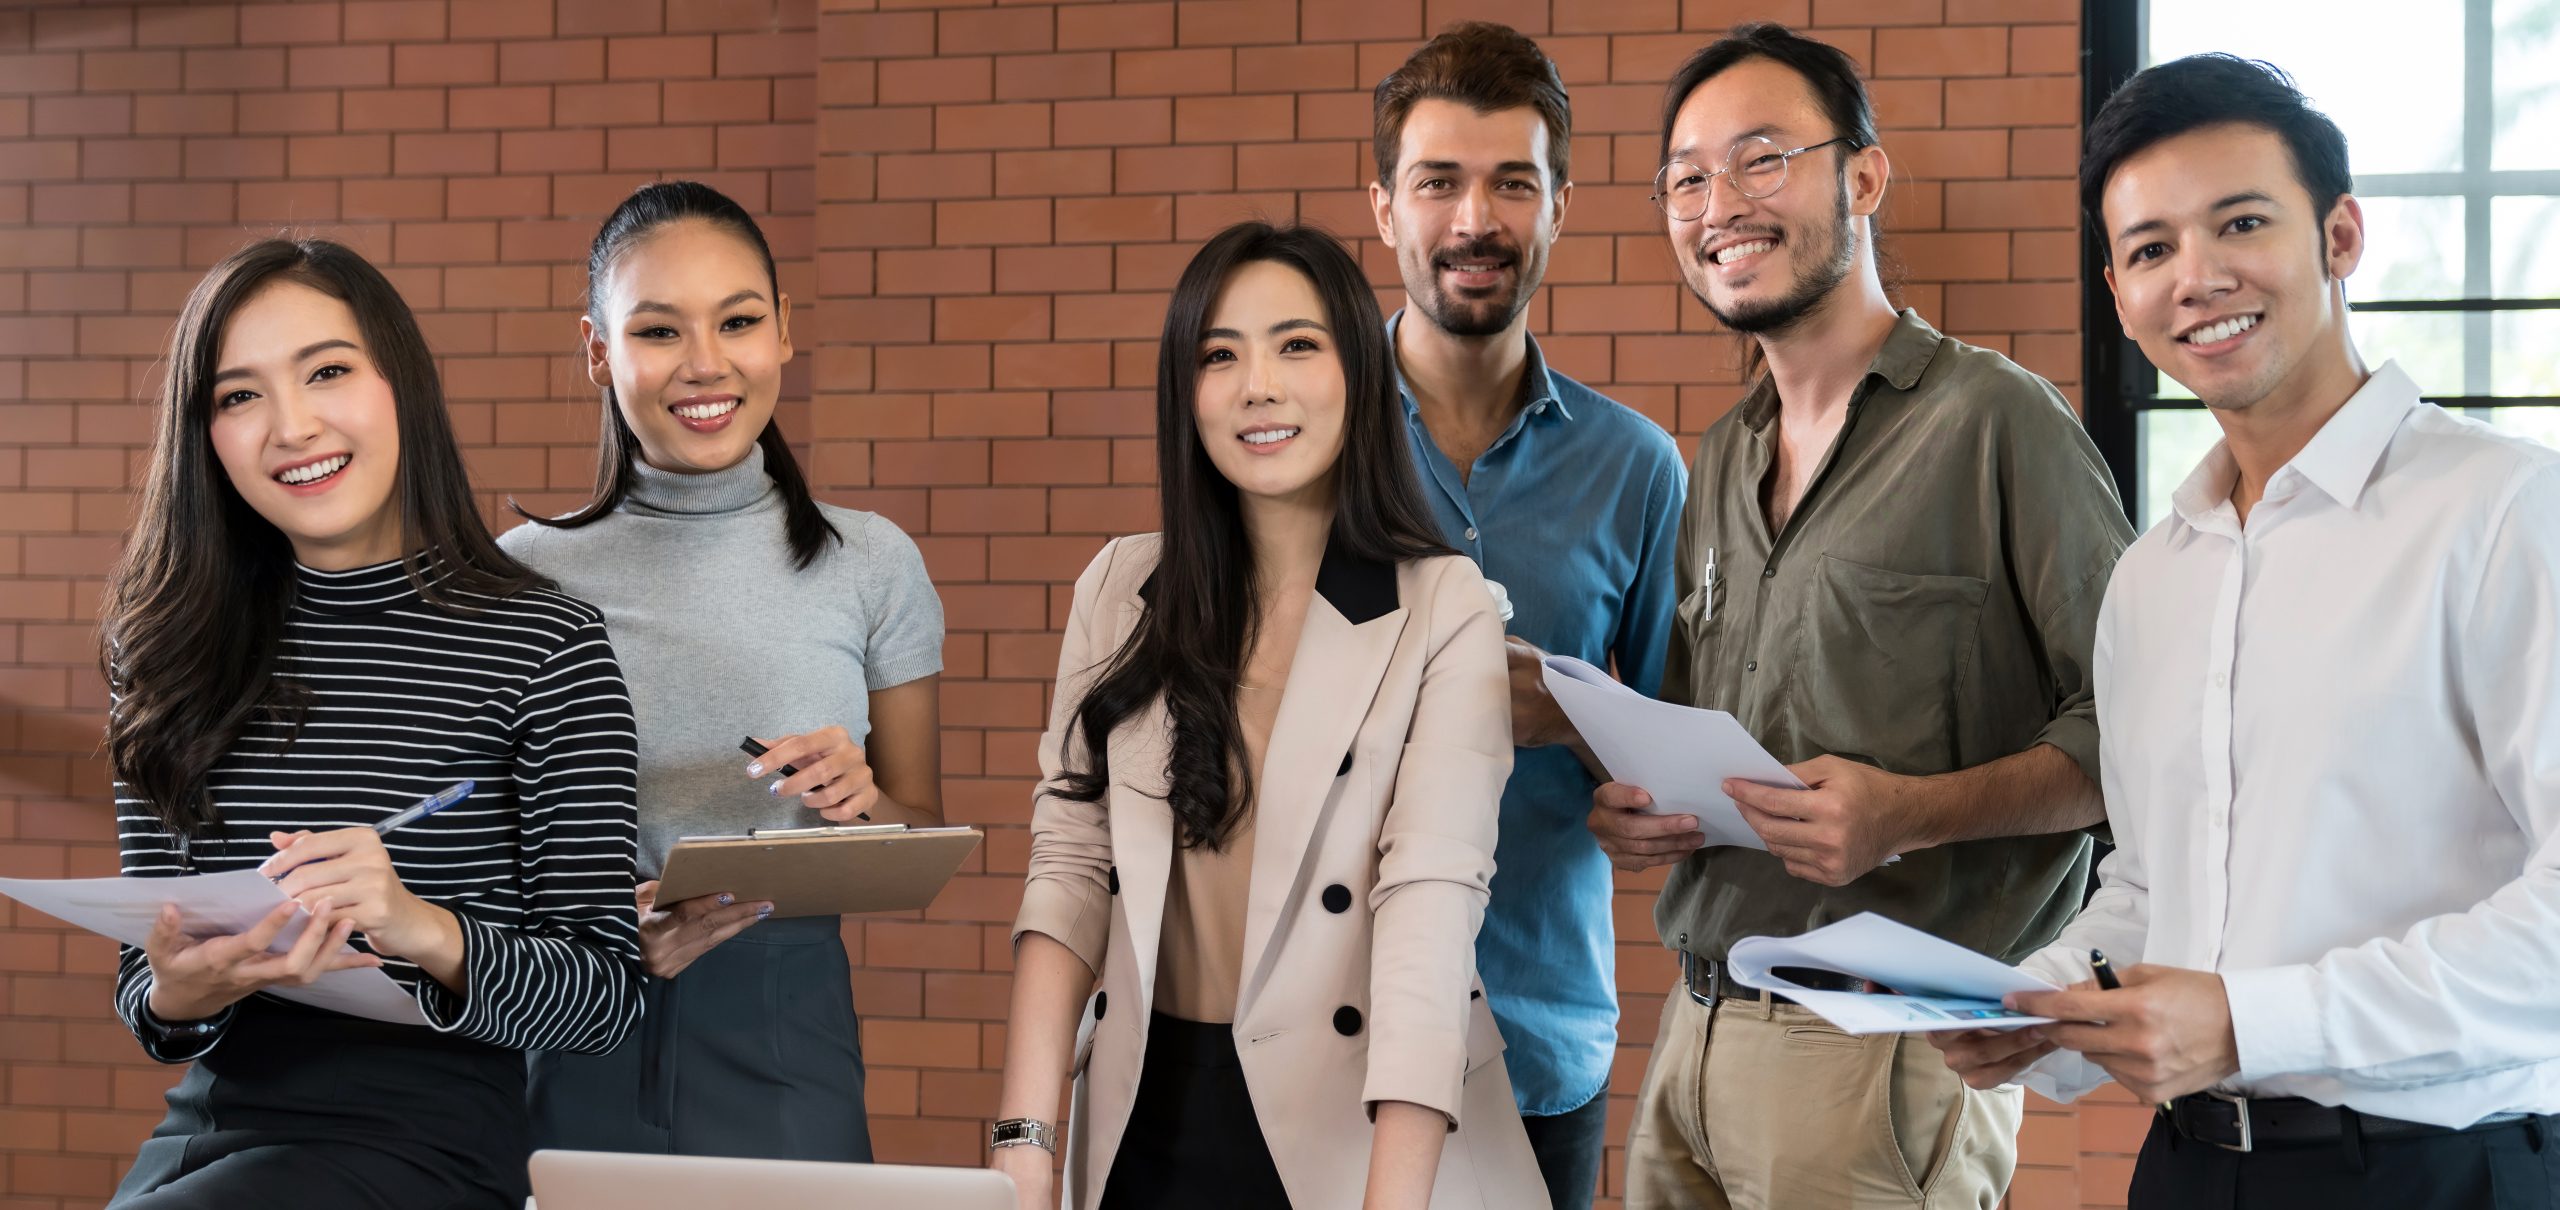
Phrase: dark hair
pixel 1827 69
pixel 2187 94
pixel 1485 67
pixel 195 610
pixel 1202 612
pixel 640 215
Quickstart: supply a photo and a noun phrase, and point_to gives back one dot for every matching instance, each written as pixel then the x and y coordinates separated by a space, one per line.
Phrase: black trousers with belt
pixel 302 1109
pixel 1193 1139
pixel 2506 1166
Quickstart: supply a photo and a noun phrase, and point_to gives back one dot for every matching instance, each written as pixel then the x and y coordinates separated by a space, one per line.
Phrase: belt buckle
pixel 1689 964
pixel 2241 1104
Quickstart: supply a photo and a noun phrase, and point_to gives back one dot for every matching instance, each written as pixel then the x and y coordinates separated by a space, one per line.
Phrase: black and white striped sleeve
pixel 146 848
pixel 569 978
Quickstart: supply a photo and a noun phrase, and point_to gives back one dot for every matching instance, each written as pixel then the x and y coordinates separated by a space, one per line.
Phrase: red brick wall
pixel 980 209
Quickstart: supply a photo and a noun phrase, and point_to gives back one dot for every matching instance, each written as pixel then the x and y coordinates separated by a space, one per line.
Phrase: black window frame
pixel 2118 383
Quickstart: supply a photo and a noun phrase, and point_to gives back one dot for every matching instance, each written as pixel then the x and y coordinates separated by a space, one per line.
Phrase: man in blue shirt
pixel 1569 501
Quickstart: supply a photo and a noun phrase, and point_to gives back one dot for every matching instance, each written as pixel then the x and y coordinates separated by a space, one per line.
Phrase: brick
pixel 1296 68
pixel 1101 220
pixel 394 20
pixel 57 160
pixel 223 70
pixel 457 154
pixel 895 35
pixel 40 73
pixel 567 60
pixel 1877 12
pixel 317 67
pixel 233 159
pixel 658 58
pixel 1052 173
pixel 520 106
pixel 578 18
pixel 499 19
pixel 59 116
pixel 444 63
pixel 937 81
pixel 998 31
pixel 965 127
pixel 765 54
pixel 186 25
pixel 2019 101
pixel 1053 77
pixel 258 113
pixel 1360 20
pixel 1950 154
pixel 1115 27
pixel 1234 119
pixel 1151 73
pixel 1051 270
pixel 1234 23
pixel 991 222
pixel 717 101
pixel 339 155
pixel 393 109
pixel 1114 123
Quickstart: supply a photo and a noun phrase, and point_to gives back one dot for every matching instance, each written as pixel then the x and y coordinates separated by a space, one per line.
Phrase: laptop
pixel 597 1180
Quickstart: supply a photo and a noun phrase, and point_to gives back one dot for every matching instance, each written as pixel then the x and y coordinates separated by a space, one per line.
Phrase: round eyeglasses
pixel 1755 167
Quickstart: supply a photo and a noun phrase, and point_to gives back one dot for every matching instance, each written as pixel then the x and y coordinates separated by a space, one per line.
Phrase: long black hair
pixel 195 610
pixel 650 207
pixel 1203 611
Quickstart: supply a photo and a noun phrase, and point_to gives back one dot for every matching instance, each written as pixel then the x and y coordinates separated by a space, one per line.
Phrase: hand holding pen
pixel 347 873
pixel 823 770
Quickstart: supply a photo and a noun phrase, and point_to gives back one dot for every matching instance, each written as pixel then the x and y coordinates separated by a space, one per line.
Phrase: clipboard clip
pixel 872 829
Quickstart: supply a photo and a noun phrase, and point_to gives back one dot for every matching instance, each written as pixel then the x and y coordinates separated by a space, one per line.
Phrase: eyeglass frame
pixel 1661 198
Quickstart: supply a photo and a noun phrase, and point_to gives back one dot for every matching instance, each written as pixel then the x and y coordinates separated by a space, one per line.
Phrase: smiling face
pixel 306 427
pixel 1471 217
pixel 2222 271
pixel 1270 402
pixel 693 340
pixel 1763 264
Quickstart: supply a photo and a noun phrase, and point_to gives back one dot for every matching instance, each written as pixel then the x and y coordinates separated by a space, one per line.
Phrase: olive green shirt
pixel 1928 608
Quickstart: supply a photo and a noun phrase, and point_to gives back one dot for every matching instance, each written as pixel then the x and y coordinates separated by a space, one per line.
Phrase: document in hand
pixel 211 905
pixel 1936 984
pixel 1679 754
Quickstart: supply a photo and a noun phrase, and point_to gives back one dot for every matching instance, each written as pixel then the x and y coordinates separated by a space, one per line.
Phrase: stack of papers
pixel 1941 985
pixel 212 905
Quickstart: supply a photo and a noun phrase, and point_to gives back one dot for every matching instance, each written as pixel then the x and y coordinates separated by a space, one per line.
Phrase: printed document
pixel 212 905
pixel 1935 984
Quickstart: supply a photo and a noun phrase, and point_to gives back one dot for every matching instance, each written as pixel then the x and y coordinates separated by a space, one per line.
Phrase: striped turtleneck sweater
pixel 522 696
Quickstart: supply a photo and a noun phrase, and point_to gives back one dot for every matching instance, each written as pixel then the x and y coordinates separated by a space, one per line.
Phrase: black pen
pixel 752 748
pixel 2107 981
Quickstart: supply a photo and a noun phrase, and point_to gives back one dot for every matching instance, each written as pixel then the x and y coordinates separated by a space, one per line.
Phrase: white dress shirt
pixel 2331 756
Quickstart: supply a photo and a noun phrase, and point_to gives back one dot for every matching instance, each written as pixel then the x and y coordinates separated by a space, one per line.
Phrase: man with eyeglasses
pixel 1890 567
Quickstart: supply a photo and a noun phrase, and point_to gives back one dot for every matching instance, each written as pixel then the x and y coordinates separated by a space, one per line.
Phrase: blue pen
pixel 423 808
pixel 429 805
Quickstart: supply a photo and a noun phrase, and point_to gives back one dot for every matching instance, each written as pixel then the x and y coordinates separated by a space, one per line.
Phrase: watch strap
pixel 1023 1132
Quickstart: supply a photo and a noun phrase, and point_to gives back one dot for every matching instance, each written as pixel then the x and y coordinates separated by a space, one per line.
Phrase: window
pixel 2452 117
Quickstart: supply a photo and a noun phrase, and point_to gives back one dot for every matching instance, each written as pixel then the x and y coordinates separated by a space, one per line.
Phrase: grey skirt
pixel 753 1052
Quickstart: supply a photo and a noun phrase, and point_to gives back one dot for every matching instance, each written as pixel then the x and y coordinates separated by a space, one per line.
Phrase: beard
pixel 1827 262
pixel 1489 313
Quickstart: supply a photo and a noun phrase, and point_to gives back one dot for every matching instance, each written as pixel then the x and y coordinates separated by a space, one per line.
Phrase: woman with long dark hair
pixel 1271 778
pixel 310 631
pixel 742 607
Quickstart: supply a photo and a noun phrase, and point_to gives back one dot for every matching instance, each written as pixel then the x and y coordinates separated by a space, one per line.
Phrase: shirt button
pixel 1768 573
pixel 1753 666
pixel 2221 680
pixel 1537 409
pixel 1471 533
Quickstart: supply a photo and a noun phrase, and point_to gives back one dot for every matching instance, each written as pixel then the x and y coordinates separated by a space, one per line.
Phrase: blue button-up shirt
pixel 1573 510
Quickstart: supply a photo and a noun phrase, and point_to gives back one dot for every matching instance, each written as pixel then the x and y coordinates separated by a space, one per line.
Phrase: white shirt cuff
pixel 2276 1021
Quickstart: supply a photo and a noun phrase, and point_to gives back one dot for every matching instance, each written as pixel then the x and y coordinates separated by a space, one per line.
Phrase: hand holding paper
pixel 1679 755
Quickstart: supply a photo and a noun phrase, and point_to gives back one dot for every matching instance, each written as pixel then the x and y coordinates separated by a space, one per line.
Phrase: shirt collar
pixel 2339 460
pixel 1906 354
pixel 1537 384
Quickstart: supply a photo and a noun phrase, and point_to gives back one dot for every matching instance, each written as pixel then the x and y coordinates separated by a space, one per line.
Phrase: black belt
pixel 2248 1123
pixel 1707 981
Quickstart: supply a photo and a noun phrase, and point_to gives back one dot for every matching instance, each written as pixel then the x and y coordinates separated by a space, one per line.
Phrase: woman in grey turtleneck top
pixel 740 606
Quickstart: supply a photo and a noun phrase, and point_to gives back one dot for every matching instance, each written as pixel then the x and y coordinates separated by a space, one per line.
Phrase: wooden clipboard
pixel 830 871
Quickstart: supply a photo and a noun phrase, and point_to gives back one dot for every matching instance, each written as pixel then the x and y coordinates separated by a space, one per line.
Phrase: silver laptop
pixel 597 1180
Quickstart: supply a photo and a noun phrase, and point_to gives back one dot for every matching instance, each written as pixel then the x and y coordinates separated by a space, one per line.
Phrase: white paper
pixel 1678 754
pixel 212 905
pixel 1943 985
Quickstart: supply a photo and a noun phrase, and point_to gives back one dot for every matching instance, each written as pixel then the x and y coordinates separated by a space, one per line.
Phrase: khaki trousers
pixel 1769 1107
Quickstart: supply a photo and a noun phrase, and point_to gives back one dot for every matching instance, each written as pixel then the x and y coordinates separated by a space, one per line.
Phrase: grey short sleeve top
pixel 721 637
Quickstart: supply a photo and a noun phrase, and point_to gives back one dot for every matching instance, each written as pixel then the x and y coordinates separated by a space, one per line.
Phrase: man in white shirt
pixel 2330 689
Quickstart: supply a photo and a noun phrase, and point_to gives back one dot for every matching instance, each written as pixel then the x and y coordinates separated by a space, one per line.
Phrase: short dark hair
pixel 1485 67
pixel 2187 94
pixel 1831 73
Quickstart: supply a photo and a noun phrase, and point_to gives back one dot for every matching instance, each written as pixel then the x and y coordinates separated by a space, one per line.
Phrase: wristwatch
pixel 181 1031
pixel 1023 1132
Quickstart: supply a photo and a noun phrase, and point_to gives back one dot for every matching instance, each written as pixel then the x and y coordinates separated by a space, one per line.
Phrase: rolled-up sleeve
pixel 1435 858
pixel 1066 895
pixel 2065 530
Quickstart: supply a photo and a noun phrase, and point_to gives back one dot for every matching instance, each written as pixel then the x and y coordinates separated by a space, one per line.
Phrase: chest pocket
pixel 1700 621
pixel 1886 661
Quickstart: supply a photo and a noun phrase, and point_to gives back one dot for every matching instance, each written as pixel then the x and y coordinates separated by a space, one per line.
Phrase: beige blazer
pixel 1374 848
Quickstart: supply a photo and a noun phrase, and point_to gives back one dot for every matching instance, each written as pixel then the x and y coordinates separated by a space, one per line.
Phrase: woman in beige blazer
pixel 1266 821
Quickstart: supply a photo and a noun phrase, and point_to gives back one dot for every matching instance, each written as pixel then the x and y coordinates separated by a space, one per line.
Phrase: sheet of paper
pixel 1679 754
pixel 211 905
pixel 1942 985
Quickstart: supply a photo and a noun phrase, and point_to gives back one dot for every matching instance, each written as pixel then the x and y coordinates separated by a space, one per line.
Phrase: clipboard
pixel 827 871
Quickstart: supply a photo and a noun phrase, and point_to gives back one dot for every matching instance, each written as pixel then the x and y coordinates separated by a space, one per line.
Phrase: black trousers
pixel 1568 1146
pixel 1193 1139
pixel 302 1109
pixel 2510 1166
